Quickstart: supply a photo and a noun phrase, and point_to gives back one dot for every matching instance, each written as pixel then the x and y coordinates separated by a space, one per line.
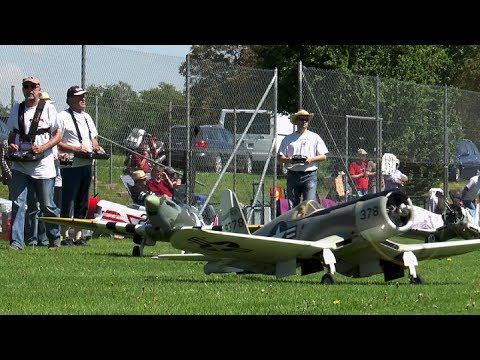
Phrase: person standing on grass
pixel 301 151
pixel 39 172
pixel 469 193
pixel 35 231
pixel 80 136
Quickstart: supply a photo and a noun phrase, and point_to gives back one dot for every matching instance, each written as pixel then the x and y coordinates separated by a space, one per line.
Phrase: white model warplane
pixel 351 238
pixel 146 224
pixel 455 222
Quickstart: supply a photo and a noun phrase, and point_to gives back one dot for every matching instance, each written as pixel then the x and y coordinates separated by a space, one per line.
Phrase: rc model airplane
pixel 450 221
pixel 455 222
pixel 351 238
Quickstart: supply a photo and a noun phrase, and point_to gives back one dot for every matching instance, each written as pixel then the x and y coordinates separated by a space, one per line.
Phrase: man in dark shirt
pixel 139 189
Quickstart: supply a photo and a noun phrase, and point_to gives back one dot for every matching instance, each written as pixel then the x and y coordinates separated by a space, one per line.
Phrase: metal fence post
pixel 445 141
pixel 188 150
pixel 300 90
pixel 379 134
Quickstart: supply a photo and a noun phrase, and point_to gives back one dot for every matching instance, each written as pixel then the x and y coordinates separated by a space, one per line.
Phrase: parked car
pixel 466 161
pixel 211 145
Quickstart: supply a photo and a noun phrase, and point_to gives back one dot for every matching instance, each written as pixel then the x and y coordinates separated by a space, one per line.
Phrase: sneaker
pixel 14 247
pixel 80 242
pixel 53 247
pixel 67 242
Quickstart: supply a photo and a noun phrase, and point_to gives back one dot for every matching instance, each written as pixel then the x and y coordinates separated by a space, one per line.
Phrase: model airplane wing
pixel 227 252
pixel 431 250
pixel 184 257
pixel 101 226
pixel 216 244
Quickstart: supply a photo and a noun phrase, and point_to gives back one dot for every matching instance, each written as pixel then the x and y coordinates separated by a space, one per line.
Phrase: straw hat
pixel 138 175
pixel 302 113
pixel 44 96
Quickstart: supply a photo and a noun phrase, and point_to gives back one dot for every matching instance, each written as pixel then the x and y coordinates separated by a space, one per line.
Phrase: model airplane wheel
pixel 136 251
pixel 329 279
pixel 417 280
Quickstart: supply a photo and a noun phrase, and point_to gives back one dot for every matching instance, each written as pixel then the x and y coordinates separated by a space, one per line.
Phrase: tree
pixel 220 77
pixel 423 64
pixel 4 111
pixel 120 108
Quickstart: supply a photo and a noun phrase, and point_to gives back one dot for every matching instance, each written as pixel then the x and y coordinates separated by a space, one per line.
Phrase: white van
pixel 260 135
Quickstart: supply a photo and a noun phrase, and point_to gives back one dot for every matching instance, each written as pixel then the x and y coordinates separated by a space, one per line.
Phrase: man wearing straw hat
pixel 301 151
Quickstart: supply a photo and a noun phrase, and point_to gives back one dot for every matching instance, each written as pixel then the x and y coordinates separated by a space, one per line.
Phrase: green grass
pixel 104 278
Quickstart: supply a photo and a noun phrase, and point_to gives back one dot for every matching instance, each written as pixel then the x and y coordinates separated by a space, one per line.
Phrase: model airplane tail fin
pixel 231 214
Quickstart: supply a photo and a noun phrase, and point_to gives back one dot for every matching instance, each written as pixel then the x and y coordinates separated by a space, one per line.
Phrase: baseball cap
pixel 75 90
pixel 31 79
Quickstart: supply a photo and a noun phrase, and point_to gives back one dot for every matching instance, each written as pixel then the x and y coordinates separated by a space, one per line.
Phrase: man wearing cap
pixel 38 174
pixel 79 136
pixel 300 151
pixel 35 232
pixel 359 174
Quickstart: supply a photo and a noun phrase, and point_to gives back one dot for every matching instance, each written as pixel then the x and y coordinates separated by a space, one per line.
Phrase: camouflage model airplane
pixel 351 238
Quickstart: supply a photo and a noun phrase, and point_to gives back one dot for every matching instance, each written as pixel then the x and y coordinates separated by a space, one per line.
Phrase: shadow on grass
pixel 231 278
pixel 311 281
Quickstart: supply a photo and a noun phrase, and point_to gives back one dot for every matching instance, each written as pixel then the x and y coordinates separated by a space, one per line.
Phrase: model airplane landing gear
pixel 410 260
pixel 329 260
pixel 137 250
pixel 418 280
pixel 431 238
pixel 328 279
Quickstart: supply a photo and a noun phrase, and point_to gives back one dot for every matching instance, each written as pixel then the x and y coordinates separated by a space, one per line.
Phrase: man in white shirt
pixel 33 166
pixel 79 137
pixel 469 193
pixel 301 151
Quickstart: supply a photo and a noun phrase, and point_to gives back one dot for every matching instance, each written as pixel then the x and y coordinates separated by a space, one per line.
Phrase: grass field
pixel 104 278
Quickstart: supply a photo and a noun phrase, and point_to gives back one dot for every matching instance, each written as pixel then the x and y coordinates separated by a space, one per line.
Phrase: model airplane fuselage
pixel 307 236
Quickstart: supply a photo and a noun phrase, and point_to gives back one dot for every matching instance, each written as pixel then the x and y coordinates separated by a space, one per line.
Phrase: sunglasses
pixel 31 86
pixel 303 119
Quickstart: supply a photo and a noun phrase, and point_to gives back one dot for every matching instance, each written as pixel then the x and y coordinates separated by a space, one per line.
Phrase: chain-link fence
pixel 420 124
pixel 137 97
pixel 159 97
